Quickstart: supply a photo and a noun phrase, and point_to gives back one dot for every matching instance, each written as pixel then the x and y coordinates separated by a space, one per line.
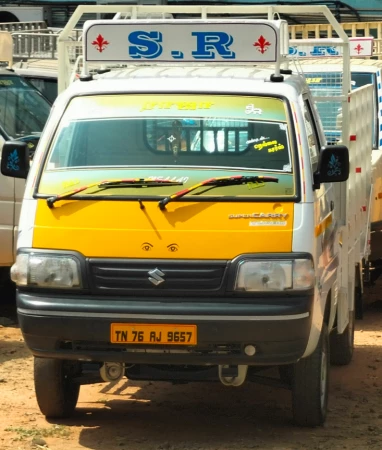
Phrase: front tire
pixel 311 384
pixel 56 393
pixel 342 345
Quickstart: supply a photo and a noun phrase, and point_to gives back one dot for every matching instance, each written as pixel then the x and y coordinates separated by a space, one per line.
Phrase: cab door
pixel 7 217
pixel 326 214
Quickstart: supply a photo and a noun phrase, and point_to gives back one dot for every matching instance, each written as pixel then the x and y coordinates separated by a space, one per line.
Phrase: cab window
pixel 47 87
pixel 23 110
pixel 311 132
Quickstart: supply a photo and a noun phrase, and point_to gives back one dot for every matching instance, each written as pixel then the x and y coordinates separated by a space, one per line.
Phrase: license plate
pixel 133 333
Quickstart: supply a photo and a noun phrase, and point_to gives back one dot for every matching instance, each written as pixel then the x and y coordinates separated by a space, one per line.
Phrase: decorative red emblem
pixel 100 43
pixel 262 44
pixel 358 49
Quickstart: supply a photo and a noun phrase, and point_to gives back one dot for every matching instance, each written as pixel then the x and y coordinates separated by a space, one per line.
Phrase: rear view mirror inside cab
pixel 15 159
pixel 333 165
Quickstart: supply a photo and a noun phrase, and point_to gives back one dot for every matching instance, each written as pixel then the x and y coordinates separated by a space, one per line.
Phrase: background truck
pixel 23 113
pixel 321 62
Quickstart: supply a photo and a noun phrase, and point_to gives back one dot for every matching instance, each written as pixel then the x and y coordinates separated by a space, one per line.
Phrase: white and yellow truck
pixel 184 218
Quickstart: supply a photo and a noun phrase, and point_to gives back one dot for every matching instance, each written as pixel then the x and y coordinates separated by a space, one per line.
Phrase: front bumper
pixel 78 328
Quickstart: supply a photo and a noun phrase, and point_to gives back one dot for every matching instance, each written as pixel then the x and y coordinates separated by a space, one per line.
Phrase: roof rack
pixel 268 37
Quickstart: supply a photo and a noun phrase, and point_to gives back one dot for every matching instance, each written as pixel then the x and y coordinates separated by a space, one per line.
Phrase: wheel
pixel 56 393
pixel 358 303
pixel 310 385
pixel 342 345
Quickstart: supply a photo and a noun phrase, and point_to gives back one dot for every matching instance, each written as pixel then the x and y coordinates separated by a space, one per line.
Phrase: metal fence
pixel 40 44
pixel 23 26
pixel 34 45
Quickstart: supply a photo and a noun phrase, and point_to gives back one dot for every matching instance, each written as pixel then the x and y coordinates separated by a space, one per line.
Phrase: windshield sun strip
pixel 184 167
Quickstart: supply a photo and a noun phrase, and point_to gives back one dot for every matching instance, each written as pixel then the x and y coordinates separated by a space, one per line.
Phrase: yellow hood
pixel 185 230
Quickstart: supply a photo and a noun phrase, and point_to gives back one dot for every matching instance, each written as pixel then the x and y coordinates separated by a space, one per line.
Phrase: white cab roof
pixel 37 67
pixel 159 79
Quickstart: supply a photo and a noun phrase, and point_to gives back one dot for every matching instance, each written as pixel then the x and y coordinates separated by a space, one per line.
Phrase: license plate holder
pixel 153 334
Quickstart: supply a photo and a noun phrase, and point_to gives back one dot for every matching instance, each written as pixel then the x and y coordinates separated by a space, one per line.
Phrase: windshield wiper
pixel 217 182
pixel 107 184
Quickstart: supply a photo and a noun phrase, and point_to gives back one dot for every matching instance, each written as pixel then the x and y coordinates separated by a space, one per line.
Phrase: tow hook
pixel 112 371
pixel 233 375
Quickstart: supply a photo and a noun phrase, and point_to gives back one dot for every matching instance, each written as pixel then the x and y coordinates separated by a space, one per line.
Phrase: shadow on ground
pixel 162 416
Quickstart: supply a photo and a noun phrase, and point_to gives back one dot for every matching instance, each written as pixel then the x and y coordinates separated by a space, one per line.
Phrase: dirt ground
pixel 196 416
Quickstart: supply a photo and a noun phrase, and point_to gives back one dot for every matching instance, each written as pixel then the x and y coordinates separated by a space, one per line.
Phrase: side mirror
pixel 15 159
pixel 333 165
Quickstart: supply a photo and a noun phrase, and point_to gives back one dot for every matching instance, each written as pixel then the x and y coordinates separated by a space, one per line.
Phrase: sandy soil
pixel 196 416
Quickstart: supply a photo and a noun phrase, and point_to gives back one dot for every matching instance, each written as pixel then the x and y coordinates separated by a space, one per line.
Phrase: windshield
pixel 23 110
pixel 47 86
pixel 329 84
pixel 361 79
pixel 185 138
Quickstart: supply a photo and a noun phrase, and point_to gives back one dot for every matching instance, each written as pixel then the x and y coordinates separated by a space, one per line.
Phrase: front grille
pixel 133 276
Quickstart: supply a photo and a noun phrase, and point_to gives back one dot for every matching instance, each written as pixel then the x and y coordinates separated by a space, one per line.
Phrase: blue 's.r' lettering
pixel 145 44
pixel 322 51
pixel 209 43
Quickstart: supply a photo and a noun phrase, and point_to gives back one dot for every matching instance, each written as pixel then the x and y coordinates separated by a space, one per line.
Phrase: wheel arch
pixel 324 312
pixel 330 314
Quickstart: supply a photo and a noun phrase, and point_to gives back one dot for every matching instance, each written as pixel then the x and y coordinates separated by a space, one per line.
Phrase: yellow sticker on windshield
pixel 261 145
pixel 255 185
pixel 272 146
pixel 6 83
pixel 182 106
pixel 313 80
pixel 276 148
pixel 70 183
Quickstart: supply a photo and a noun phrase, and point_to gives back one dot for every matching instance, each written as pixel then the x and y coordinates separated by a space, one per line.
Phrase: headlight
pixel 41 270
pixel 275 275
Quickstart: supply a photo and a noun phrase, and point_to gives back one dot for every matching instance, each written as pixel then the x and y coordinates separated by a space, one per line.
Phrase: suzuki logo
pixel 155 276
